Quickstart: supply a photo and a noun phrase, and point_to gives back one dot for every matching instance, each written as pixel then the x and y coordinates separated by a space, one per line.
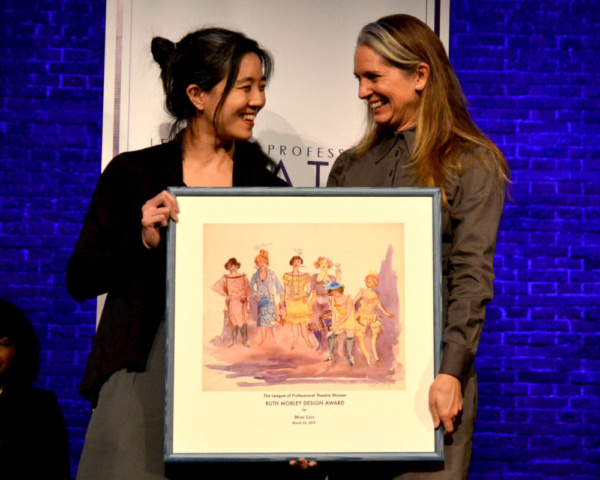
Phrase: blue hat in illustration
pixel 329 285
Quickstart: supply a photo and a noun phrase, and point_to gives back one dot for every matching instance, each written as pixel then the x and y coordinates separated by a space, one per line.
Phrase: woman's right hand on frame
pixel 445 401
pixel 156 213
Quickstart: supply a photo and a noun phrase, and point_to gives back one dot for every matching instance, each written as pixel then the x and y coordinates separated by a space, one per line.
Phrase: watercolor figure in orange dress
pixel 367 316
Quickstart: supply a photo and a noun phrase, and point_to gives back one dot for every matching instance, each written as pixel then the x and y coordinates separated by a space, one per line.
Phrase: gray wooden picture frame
pixel 396 198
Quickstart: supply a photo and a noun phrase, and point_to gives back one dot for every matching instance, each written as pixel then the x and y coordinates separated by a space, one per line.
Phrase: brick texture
pixel 530 72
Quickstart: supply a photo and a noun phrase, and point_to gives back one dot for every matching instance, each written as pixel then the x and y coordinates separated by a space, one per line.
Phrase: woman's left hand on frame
pixel 303 463
pixel 445 401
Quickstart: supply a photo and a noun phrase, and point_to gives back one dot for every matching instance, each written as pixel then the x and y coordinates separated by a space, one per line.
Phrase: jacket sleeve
pixel 475 211
pixel 110 246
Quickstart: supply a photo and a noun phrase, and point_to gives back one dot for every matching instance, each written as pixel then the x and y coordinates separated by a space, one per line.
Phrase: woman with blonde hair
pixel 420 133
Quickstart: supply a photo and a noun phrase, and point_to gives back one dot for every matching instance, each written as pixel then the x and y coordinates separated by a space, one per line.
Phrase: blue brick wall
pixel 530 70
pixel 51 78
pixel 531 73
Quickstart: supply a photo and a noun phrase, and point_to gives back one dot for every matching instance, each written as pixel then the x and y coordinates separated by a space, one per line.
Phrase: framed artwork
pixel 303 322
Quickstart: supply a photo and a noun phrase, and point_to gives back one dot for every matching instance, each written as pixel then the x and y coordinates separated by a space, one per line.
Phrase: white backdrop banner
pixel 312 111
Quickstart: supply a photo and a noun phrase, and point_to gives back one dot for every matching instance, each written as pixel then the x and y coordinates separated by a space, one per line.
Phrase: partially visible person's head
pixel 203 58
pixel 334 287
pixel 371 280
pixel 19 347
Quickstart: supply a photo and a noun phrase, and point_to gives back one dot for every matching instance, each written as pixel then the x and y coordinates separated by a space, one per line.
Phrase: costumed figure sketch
pixel 342 320
pixel 367 316
pixel 235 287
pixel 263 283
pixel 295 301
pixel 295 309
pixel 319 300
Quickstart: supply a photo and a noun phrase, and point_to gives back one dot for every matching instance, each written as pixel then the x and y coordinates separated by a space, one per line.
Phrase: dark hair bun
pixel 203 58
pixel 162 49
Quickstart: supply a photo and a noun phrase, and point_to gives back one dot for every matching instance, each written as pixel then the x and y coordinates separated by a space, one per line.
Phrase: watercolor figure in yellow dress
pixel 295 300
pixel 367 316
pixel 343 319
pixel 235 287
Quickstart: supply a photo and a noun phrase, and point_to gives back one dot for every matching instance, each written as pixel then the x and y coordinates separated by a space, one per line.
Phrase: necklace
pixel 296 289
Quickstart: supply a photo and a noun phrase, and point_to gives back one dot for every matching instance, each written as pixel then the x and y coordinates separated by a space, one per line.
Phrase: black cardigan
pixel 110 257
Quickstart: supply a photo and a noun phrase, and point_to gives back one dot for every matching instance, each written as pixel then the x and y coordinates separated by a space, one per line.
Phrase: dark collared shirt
pixel 383 166
pixel 469 229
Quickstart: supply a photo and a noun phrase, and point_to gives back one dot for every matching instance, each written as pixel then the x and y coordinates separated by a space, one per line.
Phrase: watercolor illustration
pixel 235 287
pixel 323 307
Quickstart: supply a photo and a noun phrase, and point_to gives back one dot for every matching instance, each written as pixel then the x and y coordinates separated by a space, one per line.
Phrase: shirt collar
pixel 390 139
pixel 410 135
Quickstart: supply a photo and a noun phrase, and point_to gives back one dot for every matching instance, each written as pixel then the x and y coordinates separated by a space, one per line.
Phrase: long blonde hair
pixel 444 125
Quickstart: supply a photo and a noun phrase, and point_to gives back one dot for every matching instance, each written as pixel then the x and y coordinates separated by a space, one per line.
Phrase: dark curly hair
pixel 232 261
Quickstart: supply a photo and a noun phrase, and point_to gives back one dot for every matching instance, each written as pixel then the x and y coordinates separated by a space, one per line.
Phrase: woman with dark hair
pixel 33 436
pixel 214 81
pixel 420 133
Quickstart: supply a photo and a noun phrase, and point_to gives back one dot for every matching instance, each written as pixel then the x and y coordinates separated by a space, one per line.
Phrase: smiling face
pixel 324 265
pixel 236 116
pixel 392 93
